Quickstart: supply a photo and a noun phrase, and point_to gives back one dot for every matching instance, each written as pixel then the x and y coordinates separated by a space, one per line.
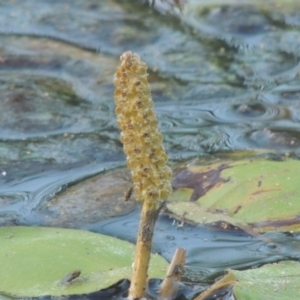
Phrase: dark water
pixel 210 250
pixel 224 77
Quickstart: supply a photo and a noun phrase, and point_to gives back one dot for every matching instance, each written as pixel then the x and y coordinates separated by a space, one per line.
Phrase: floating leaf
pixel 94 199
pixel 262 193
pixel 36 260
pixel 279 281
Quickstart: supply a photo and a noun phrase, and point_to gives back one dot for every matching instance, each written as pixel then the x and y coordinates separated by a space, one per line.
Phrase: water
pixel 210 250
pixel 224 77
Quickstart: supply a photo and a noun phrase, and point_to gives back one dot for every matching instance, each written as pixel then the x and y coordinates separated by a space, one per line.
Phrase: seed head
pixel 142 142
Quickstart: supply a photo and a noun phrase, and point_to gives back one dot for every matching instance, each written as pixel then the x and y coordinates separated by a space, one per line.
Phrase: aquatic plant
pixel 146 157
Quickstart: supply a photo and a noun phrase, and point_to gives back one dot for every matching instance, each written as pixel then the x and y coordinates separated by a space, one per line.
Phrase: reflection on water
pixel 224 77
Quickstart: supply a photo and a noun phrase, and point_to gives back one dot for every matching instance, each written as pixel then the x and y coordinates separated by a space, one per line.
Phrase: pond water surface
pixel 225 76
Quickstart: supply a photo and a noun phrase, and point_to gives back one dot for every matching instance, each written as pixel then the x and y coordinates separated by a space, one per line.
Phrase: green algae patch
pixel 261 193
pixel 38 260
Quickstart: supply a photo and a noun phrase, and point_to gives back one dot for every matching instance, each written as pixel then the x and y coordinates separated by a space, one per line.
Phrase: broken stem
pixel 170 285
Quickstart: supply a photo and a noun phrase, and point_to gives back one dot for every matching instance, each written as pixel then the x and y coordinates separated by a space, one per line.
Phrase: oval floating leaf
pixel 278 281
pixel 36 260
pixel 259 192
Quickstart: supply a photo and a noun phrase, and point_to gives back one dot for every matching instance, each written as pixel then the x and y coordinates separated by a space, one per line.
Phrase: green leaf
pixel 280 281
pixel 259 192
pixel 34 261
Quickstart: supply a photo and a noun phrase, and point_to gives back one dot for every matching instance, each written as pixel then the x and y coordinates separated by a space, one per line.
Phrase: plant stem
pixel 148 218
pixel 146 157
pixel 170 285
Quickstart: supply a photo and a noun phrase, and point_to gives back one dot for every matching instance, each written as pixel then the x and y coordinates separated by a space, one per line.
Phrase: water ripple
pixel 280 140
pixel 248 112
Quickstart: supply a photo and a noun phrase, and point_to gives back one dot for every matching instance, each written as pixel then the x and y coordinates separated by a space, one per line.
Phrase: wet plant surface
pixel 224 78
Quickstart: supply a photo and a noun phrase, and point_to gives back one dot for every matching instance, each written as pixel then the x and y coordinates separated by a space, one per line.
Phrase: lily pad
pixel 278 281
pixel 258 192
pixel 273 281
pixel 36 261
